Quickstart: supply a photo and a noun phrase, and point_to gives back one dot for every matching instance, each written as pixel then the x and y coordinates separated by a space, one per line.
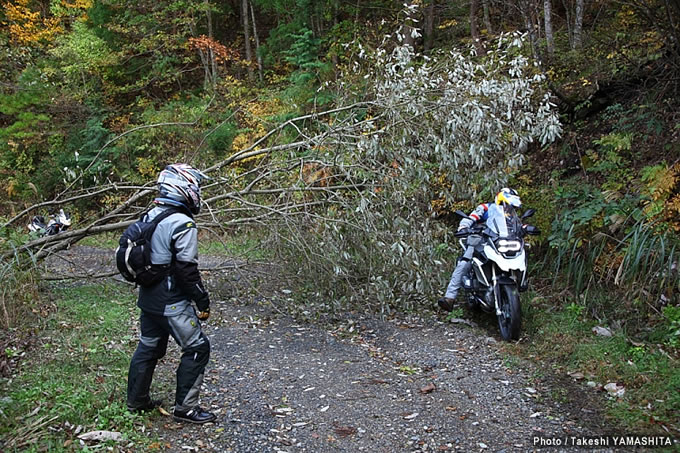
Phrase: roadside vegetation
pixel 643 366
pixel 70 369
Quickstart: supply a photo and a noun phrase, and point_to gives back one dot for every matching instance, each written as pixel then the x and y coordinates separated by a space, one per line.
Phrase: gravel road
pixel 369 385
pixel 362 384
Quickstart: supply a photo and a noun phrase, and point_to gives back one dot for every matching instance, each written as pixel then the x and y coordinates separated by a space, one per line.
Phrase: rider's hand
pixel 203 315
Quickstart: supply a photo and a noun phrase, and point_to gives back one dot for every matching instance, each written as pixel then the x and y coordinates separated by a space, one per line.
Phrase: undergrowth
pixel 72 378
pixel 107 240
pixel 19 295
pixel 560 332
pixel 240 244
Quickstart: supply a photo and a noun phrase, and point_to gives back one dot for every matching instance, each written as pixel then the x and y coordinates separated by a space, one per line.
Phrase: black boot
pixel 148 406
pixel 446 303
pixel 195 415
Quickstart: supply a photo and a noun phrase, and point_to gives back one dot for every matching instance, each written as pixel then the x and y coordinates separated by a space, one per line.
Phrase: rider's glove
pixel 204 314
pixel 462 232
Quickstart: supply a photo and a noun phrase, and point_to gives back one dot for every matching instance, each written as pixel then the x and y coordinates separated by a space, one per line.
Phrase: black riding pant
pixel 155 330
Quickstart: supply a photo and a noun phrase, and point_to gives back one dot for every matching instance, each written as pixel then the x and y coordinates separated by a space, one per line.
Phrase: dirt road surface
pixel 360 384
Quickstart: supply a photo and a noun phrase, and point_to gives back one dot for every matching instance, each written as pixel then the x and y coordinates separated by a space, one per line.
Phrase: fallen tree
pixel 346 195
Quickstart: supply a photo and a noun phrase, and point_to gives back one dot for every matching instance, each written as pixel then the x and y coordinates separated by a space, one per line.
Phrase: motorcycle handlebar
pixel 468 231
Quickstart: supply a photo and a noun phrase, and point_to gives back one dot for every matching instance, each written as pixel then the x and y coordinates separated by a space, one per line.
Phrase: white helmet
pixel 182 183
pixel 509 196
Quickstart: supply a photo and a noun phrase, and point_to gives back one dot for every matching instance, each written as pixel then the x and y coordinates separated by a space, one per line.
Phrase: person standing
pixel 166 307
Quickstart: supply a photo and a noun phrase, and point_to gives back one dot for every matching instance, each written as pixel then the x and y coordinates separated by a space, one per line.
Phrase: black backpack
pixel 133 255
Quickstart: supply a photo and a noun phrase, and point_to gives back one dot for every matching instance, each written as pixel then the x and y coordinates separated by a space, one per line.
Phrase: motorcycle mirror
pixel 533 230
pixel 528 213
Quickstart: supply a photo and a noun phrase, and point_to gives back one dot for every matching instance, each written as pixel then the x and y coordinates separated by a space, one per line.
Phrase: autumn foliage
pixel 29 25
pixel 210 46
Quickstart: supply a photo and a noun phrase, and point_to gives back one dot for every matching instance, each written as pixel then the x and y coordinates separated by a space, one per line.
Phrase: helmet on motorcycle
pixel 181 184
pixel 509 196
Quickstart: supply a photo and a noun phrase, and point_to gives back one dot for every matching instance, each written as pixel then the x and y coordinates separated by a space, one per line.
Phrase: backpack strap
pixel 158 219
pixel 162 216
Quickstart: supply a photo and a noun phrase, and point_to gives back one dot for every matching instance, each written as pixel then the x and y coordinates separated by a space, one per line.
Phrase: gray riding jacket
pixel 174 244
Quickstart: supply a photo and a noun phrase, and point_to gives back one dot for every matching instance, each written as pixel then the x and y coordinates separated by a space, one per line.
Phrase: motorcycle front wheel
pixel 510 319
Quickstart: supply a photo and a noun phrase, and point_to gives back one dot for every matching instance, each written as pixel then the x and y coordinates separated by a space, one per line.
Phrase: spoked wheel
pixel 510 319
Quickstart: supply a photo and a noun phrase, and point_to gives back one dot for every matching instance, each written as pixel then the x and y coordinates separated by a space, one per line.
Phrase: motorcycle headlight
pixel 505 246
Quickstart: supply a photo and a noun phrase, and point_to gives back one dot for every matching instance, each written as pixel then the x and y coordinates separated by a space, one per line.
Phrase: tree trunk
pixel 257 44
pixel 210 53
pixel 205 59
pixel 334 54
pixel 526 11
pixel 578 25
pixel 246 37
pixel 568 22
pixel 428 26
pixel 547 13
pixel 487 17
pixel 673 18
pixel 356 19
pixel 474 27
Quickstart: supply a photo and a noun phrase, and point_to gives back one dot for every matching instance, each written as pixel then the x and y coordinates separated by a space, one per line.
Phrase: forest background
pixel 340 136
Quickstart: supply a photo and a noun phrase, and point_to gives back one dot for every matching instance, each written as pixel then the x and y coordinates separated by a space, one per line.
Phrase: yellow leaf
pixel 11 188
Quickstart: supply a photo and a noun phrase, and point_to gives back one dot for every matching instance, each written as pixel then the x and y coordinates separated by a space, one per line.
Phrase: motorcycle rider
pixel 166 307
pixel 479 215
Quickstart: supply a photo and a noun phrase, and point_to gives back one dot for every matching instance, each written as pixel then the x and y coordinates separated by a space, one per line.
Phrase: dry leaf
pixel 344 431
pixel 429 388
pixel 99 436
pixel 164 412
pixel 577 375
pixel 602 331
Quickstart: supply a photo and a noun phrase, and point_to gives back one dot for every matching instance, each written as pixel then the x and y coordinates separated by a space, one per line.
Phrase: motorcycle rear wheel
pixel 510 319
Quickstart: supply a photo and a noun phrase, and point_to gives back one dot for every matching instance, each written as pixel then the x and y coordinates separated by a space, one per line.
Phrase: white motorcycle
pixel 56 224
pixel 497 269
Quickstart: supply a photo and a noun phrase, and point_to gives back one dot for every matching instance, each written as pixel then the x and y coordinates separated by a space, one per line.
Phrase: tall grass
pixel 18 291
pixel 644 264
pixel 650 262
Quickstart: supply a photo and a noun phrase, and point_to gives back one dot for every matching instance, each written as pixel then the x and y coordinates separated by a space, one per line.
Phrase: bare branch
pixel 61 237
pixel 96 191
pixel 248 152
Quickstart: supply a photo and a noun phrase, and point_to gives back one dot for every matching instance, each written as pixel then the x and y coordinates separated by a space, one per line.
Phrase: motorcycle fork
pixel 496 291
pixel 478 269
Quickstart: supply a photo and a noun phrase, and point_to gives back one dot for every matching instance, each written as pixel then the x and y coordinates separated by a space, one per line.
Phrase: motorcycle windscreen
pixel 504 221
pixel 496 221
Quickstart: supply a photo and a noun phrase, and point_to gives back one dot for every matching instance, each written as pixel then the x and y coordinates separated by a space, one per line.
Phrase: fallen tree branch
pixel 68 200
pixel 251 150
pixel 115 273
pixel 68 235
